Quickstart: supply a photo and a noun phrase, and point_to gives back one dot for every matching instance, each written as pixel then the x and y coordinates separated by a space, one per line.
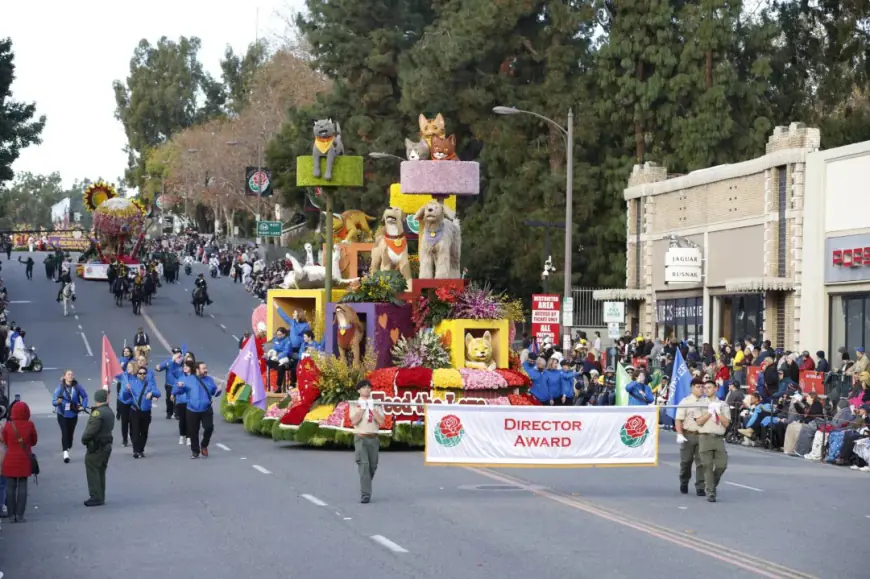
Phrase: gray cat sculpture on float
pixel 327 141
pixel 416 151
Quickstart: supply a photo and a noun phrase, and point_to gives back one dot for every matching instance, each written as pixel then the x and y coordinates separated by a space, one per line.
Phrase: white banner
pixel 101 270
pixel 500 436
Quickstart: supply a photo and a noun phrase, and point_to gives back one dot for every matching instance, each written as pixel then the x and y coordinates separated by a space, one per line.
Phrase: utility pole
pixel 547 226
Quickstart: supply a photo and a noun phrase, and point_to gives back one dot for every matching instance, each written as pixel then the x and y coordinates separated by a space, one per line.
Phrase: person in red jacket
pixel 722 372
pixel 808 364
pixel 19 436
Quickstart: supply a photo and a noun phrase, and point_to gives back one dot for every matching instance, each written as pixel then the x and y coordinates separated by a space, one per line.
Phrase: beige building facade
pixel 718 252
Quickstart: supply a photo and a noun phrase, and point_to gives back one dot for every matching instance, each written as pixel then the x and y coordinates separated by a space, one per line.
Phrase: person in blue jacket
pixel 535 368
pixel 553 380
pixel 297 323
pixel 187 368
pixel 69 397
pixel 125 401
pixel 309 343
pixel 567 382
pixel 639 393
pixel 143 392
pixel 201 391
pixel 172 368
pixel 278 357
pixel 126 357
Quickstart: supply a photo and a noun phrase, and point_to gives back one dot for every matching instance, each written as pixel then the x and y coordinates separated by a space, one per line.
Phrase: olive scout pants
pixel 96 464
pixel 715 460
pixel 366 448
pixel 690 452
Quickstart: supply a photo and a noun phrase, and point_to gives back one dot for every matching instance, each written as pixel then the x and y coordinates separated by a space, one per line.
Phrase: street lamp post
pixel 568 133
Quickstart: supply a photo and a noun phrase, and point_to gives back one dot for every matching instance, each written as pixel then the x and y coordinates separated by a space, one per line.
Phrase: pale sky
pixel 68 53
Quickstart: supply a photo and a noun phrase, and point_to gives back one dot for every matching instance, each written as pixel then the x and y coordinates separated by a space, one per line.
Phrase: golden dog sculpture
pixel 390 252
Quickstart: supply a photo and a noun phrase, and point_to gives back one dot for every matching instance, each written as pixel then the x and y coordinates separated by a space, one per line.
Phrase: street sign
pixel 613 331
pixel 268 229
pixel 614 312
pixel 545 317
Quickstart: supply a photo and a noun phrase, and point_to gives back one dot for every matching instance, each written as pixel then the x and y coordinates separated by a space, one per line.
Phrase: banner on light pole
pixel 258 182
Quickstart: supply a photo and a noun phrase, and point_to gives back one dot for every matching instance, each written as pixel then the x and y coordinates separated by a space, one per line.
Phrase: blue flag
pixel 681 384
pixel 247 367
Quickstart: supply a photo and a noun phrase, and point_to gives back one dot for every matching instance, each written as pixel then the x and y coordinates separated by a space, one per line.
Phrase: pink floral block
pixel 474 379
pixel 440 178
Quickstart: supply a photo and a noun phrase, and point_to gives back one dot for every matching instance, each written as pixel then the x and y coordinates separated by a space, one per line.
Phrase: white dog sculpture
pixel 440 242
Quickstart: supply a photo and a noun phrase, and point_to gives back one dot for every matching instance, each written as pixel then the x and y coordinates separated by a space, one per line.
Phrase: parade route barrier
pixel 100 271
pixel 543 437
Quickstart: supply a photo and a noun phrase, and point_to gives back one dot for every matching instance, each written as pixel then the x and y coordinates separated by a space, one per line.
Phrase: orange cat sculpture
pixel 431 128
pixel 444 149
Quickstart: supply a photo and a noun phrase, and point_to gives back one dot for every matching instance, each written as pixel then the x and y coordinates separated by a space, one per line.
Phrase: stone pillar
pixel 795 136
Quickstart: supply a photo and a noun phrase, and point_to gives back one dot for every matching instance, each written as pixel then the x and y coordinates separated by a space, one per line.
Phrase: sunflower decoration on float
pixel 116 220
pixel 97 193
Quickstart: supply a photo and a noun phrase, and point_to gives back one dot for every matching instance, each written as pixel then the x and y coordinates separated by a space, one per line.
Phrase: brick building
pixel 717 253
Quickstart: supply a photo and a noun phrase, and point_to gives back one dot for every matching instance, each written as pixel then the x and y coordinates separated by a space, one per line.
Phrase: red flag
pixel 109 364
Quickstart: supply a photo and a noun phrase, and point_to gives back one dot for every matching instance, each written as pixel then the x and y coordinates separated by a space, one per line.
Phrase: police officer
pixel 712 425
pixel 367 420
pixel 98 439
pixel 688 438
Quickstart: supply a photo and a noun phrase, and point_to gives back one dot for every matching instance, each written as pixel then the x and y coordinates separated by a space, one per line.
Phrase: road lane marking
pixel 235 337
pixel 261 469
pixel 44 369
pixel 394 547
pixel 211 315
pixel 740 559
pixel 20 302
pixel 76 316
pixel 223 446
pixel 743 486
pixel 87 345
pixel 81 328
pixel 313 500
pixel 223 326
pixel 157 333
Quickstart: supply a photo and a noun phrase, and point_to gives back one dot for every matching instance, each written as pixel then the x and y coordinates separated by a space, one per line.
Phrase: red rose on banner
pixel 635 426
pixel 451 426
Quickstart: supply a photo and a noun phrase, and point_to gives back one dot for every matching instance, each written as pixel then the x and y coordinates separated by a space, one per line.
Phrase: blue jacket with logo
pixel 172 371
pixel 312 345
pixel 539 387
pixel 125 397
pixel 137 387
pixel 296 330
pixel 638 392
pixel 282 347
pixel 553 379
pixel 69 395
pixel 568 383
pixel 200 391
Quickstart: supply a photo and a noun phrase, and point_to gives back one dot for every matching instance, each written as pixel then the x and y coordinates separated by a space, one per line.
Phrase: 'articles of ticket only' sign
pixel 545 317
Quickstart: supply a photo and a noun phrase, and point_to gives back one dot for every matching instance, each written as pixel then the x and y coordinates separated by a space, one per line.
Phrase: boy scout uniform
pixel 366 445
pixel 691 450
pixel 98 439
pixel 714 458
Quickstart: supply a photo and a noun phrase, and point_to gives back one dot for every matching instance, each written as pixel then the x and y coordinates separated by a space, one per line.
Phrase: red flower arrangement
pixel 514 361
pixel 523 400
pixel 447 294
pixel 420 378
pixel 297 413
pixel 514 378
pixel 307 376
pixel 383 380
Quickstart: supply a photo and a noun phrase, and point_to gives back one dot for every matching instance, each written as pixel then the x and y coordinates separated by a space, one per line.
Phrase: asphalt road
pixel 266 510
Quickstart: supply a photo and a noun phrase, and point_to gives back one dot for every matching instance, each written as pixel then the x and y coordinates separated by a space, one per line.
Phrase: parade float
pixel 119 230
pixel 420 334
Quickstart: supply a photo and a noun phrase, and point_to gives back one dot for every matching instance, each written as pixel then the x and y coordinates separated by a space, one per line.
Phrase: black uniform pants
pixel 181 411
pixel 170 405
pixel 140 421
pixel 195 420
pixel 281 369
pixel 124 411
pixel 67 430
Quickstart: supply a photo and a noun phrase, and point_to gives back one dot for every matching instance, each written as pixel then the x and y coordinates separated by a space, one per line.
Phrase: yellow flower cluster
pixel 234 390
pixel 446 378
pixel 322 412
pixel 440 394
pixel 409 204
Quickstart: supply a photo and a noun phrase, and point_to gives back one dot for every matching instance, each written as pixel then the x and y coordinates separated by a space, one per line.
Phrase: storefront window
pixel 849 324
pixel 742 316
pixel 681 319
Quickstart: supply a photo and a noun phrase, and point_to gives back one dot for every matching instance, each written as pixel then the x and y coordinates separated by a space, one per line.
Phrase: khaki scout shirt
pixel 711 427
pixel 687 414
pixel 365 426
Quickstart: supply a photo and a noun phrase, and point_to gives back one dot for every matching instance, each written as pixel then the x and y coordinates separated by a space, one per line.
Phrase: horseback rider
pixel 201 283
pixel 64 279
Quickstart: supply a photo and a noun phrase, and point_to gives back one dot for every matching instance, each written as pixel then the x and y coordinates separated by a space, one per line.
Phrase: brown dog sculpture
pixel 390 252
pixel 440 242
pixel 349 335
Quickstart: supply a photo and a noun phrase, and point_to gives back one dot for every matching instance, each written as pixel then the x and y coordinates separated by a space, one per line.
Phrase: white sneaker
pixel 188 442
pixel 180 440
pixel 66 456
pixel 864 469
pixel 854 467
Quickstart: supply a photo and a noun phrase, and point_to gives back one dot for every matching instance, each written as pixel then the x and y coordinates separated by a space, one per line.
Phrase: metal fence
pixel 588 313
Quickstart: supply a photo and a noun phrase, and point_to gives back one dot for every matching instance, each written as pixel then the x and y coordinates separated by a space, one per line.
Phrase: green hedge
pixel 266 428
pixel 346 172
pixel 232 413
pixel 252 419
pixel 281 435
pixel 411 435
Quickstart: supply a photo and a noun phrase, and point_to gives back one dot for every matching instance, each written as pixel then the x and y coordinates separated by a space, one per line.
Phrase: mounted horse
pixel 137 296
pixel 149 288
pixel 199 299
pixel 67 295
pixel 119 289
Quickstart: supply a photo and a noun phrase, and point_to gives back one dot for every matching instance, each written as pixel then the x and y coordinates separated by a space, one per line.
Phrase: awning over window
pixel 622 294
pixel 759 285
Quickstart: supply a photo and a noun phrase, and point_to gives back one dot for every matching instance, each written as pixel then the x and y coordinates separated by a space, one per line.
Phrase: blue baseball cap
pixel 860 349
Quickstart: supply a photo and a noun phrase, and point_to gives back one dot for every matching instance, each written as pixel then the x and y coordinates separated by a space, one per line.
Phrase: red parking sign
pixel 545 317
